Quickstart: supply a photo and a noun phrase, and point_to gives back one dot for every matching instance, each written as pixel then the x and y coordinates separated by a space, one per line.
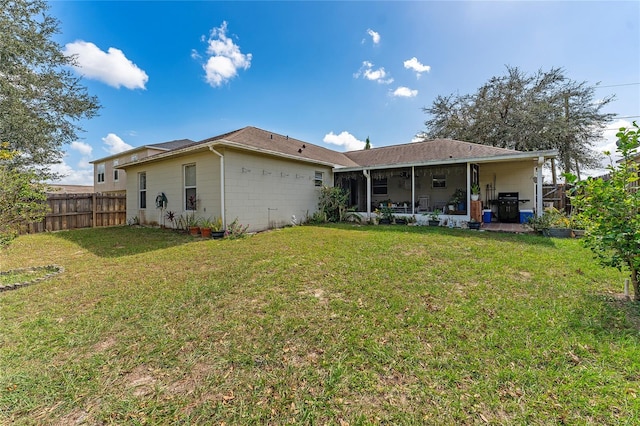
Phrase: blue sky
pixel 330 73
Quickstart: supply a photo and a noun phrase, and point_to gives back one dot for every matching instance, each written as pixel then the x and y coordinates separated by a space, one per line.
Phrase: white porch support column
pixel 413 189
pixel 468 191
pixel 539 204
pixel 368 176
pixel 222 206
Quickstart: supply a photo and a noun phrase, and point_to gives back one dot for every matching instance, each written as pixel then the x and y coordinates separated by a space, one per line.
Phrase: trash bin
pixel 486 216
pixel 525 215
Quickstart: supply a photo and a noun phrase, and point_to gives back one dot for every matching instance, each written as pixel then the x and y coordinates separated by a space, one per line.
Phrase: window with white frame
pixel 190 187
pixel 379 186
pixel 134 157
pixel 115 170
pixel 142 190
pixel 318 179
pixel 100 172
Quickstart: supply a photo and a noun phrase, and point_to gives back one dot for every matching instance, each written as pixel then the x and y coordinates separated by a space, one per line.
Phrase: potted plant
pixel 552 223
pixel 193 224
pixel 458 199
pixel 578 226
pixel 473 224
pixel 475 192
pixel 217 230
pixel 205 228
pixel 386 217
pixel 400 220
pixel 434 217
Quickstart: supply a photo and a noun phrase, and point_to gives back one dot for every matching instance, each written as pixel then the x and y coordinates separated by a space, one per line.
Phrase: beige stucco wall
pixel 266 192
pixel 510 177
pixel 261 191
pixel 167 176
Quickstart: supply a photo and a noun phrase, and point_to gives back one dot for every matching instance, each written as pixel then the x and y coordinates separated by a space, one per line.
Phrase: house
pixel 69 189
pixel 267 180
pixel 108 178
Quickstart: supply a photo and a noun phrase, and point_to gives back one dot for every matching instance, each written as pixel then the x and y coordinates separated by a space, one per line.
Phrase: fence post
pixel 93 209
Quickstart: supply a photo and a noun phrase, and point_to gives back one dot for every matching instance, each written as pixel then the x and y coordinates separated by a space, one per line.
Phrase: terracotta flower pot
pixel 205 232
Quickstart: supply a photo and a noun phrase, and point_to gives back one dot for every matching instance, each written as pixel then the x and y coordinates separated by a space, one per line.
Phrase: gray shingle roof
pixel 264 140
pixel 175 144
pixel 432 150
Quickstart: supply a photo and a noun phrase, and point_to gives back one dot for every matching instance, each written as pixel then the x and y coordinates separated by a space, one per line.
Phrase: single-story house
pixel 267 180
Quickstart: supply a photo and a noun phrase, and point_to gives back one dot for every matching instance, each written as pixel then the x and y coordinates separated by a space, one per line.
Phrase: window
pixel 318 179
pixel 115 170
pixel 100 173
pixel 379 186
pixel 439 181
pixel 190 187
pixel 142 189
pixel 134 157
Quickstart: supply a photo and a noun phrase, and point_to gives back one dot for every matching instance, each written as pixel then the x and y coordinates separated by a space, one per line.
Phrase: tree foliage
pixel 22 197
pixel 611 209
pixel 333 203
pixel 545 110
pixel 41 101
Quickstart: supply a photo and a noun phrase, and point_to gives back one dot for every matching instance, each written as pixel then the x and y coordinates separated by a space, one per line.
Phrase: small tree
pixel 367 144
pixel 611 209
pixel 22 197
pixel 333 203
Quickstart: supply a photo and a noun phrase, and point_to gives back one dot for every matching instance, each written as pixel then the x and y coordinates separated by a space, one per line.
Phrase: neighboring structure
pixel 109 179
pixel 268 180
pixel 69 189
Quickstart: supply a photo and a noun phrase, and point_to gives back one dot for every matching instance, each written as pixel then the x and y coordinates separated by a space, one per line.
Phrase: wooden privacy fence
pixel 73 211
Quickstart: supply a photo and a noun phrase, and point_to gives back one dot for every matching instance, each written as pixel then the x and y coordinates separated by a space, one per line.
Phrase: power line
pixel 616 85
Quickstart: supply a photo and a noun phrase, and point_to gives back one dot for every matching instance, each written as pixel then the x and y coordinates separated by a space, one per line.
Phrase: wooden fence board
pixel 74 211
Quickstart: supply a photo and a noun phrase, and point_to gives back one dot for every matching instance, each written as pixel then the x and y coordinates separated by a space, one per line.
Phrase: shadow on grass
pixel 611 314
pixel 122 241
pixel 532 239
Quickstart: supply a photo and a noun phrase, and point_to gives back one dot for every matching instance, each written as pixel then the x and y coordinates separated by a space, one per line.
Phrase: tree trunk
pixel 634 281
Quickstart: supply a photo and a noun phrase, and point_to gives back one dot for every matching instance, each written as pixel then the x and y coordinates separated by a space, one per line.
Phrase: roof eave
pixel 223 143
pixel 552 153
pixel 127 152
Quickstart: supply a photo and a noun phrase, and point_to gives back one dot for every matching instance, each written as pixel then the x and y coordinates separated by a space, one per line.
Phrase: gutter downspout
pixel 413 190
pixel 368 176
pixel 222 194
pixel 539 203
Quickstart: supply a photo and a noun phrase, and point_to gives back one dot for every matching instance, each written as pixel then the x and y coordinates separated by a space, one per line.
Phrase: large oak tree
pixel 545 110
pixel 41 104
pixel 41 101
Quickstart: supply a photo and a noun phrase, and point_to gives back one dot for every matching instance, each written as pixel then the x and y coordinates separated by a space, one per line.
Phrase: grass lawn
pixel 316 325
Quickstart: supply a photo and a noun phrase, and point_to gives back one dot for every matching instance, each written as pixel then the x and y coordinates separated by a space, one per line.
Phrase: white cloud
pixel 404 92
pixel 414 64
pixel 81 147
pixel 224 57
pixel 608 143
pixel 374 36
pixel 115 145
pixel 111 67
pixel 71 176
pixel 367 71
pixel 344 139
